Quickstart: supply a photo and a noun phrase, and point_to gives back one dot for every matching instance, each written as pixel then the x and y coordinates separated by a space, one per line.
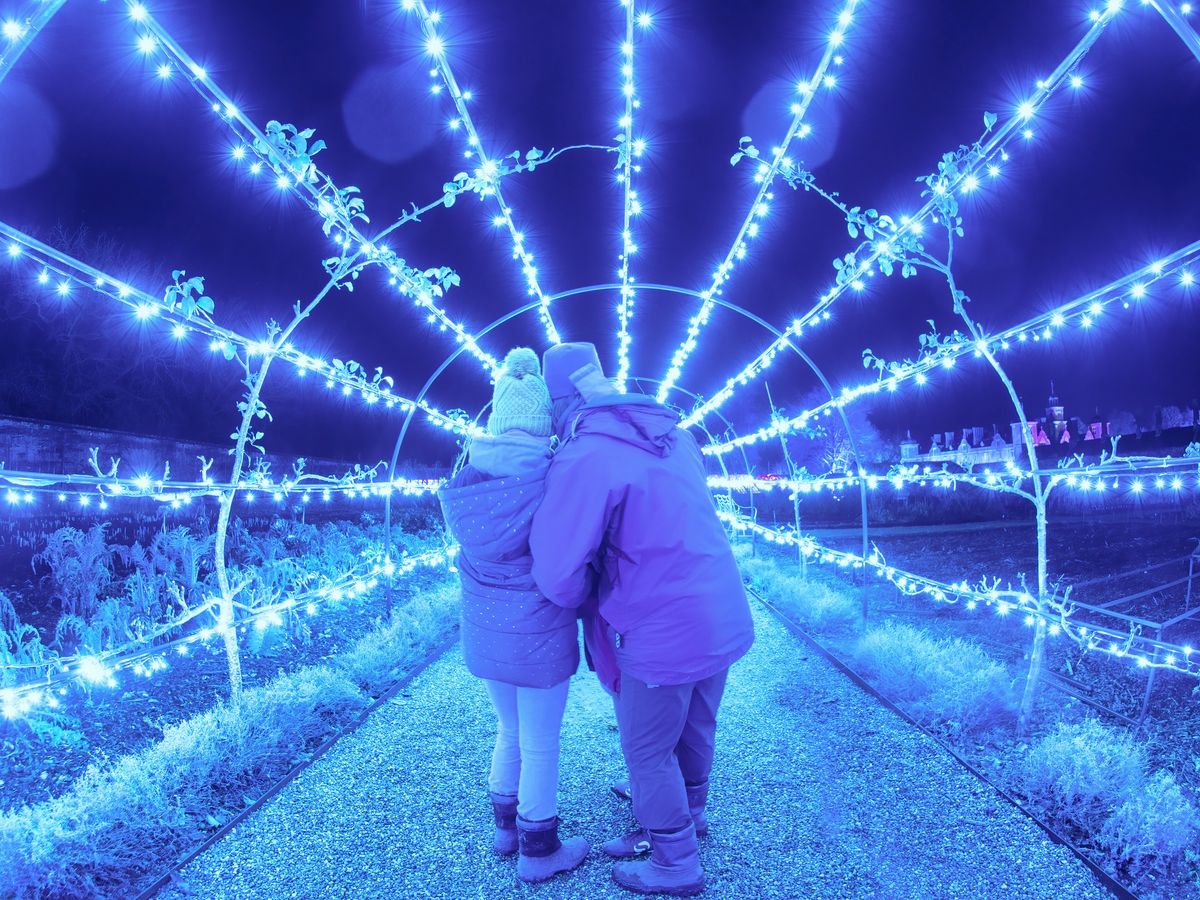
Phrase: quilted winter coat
pixel 510 631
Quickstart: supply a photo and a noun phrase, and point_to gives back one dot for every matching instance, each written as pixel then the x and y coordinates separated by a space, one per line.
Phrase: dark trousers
pixel 667 735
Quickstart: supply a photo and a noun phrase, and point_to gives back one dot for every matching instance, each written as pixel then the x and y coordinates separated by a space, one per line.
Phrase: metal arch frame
pixel 1174 19
pixel 597 288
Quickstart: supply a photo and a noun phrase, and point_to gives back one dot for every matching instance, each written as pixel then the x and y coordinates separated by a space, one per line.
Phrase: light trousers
pixel 525 758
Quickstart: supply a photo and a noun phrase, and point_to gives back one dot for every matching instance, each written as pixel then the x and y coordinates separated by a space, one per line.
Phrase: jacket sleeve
pixel 568 529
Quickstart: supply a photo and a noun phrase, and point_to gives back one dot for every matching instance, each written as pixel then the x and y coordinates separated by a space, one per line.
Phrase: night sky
pixel 92 144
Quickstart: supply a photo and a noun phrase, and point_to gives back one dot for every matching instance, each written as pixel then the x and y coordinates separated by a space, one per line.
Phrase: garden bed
pixel 139 777
pixel 42 754
pixel 1127 798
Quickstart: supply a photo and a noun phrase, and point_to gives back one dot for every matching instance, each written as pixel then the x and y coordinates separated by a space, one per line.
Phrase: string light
pixel 301 178
pixel 435 46
pixel 316 189
pixel 1082 311
pixel 1111 475
pixel 631 151
pixel 992 150
pixel 766 175
pixel 1142 651
pixel 222 340
pixel 20 27
pixel 178 493
pixel 143 658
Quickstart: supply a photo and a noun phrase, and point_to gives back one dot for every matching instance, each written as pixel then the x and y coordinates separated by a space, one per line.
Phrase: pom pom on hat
pixel 522 361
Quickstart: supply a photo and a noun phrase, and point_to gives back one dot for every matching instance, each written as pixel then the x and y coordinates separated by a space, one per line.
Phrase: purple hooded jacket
pixel 627 518
pixel 510 631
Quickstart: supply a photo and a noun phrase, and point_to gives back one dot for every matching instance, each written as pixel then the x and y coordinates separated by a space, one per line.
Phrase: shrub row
pixel 949 682
pixel 124 822
pixel 1097 780
pixel 813 604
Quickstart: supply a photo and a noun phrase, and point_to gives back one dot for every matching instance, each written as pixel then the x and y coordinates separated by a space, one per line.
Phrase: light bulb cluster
pixel 632 150
pixel 1055 614
pixel 767 172
pixel 56 269
pixel 296 174
pixel 95 493
pixel 1082 313
pixel 1128 478
pixel 445 82
pixel 141 658
pixel 983 166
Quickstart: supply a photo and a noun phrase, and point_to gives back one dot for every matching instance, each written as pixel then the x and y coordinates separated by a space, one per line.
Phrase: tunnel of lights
pixel 284 157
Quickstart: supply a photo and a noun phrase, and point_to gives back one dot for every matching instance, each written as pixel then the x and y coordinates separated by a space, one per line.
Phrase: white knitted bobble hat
pixel 520 399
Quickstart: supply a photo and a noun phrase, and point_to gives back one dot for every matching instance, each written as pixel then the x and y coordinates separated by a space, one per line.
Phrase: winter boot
pixel 628 846
pixel 623 789
pixel 543 855
pixel 504 809
pixel 697 797
pixel 673 867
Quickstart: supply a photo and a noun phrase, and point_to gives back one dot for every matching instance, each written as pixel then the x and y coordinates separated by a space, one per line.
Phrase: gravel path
pixel 817 792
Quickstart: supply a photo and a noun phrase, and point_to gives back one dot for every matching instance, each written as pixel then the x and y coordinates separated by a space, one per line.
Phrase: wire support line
pixel 766 176
pixel 436 47
pixel 1084 311
pixel 1055 612
pixel 145 658
pixel 1096 477
pixel 170 490
pixel 991 148
pixel 145 307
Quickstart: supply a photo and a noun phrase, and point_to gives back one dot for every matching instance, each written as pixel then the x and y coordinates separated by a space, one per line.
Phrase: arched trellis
pixel 662 288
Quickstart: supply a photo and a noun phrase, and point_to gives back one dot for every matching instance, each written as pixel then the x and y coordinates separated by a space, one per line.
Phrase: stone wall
pixel 31 445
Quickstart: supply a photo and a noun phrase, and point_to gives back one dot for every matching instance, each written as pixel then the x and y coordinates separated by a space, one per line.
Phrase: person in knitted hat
pixel 628 532
pixel 524 647
pixel 520 398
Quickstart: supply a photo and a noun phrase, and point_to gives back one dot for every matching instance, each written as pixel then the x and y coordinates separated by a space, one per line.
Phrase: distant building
pixel 976 446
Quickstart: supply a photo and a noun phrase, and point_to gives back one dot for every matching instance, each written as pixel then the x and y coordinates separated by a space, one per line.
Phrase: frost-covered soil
pixel 818 792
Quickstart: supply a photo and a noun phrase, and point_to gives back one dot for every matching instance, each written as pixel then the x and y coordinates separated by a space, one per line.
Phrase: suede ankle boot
pixel 504 810
pixel 543 855
pixel 673 867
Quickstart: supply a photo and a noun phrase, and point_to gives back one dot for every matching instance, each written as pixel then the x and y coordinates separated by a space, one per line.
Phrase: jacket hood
pixel 632 418
pixel 510 453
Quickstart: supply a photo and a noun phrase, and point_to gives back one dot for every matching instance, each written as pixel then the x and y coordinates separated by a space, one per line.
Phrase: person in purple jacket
pixel 628 531
pixel 524 647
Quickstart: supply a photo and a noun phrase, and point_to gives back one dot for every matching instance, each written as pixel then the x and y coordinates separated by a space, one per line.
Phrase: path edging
pixel 172 874
pixel 1112 884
